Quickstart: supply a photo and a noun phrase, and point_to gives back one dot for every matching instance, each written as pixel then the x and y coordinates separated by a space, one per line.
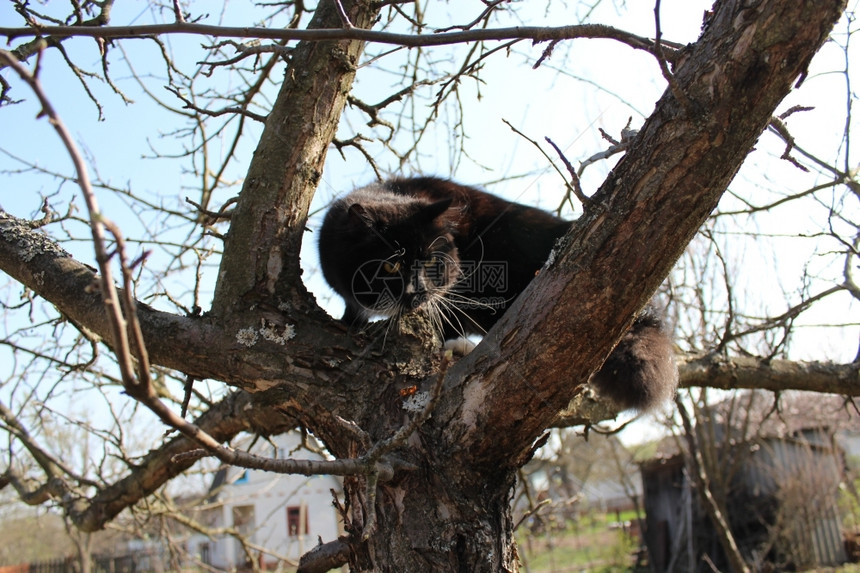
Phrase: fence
pixel 150 561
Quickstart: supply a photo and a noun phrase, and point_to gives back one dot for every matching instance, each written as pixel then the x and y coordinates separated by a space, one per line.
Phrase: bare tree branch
pixel 703 487
pixel 716 371
pixel 535 33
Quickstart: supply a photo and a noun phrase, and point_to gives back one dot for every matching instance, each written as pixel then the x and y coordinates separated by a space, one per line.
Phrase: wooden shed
pixel 779 484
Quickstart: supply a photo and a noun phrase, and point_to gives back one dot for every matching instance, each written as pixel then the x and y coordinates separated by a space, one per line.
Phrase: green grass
pixel 587 545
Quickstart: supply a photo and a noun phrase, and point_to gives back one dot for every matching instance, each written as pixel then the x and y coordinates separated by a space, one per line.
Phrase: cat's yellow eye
pixel 432 261
pixel 390 267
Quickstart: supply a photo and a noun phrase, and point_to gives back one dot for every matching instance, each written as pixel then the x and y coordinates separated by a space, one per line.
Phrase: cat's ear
pixel 435 209
pixel 358 214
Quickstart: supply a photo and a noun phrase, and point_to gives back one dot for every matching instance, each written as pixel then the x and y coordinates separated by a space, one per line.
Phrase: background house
pixel 278 517
pixel 776 468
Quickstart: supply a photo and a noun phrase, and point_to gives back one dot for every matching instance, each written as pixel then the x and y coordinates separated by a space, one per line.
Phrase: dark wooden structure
pixel 779 486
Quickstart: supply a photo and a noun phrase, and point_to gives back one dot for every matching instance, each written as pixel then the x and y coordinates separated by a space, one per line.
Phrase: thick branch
pixel 325 557
pixel 236 413
pixel 717 371
pixel 251 357
pixel 34 260
pixel 313 358
pixel 261 253
pixel 531 363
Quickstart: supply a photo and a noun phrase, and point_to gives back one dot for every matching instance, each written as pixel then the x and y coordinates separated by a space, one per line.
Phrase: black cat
pixel 463 256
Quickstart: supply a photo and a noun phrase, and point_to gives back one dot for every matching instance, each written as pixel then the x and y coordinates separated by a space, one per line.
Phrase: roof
pixel 765 414
pixel 756 415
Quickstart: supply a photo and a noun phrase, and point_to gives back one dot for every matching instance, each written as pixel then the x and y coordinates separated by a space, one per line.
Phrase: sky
pixel 602 85
pixel 122 142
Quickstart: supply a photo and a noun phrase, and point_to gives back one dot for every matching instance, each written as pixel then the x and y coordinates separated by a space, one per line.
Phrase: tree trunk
pixel 261 262
pixel 500 398
pixel 438 518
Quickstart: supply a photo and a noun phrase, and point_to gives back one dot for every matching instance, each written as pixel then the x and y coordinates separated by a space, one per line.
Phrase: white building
pixel 281 516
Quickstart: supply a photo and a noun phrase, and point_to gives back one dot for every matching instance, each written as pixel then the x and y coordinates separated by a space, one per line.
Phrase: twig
pixel 794 109
pixel 245 50
pixel 531 512
pixel 234 110
pixel 627 136
pixel 546 54
pixel 344 17
pixel 112 303
pixel 570 186
pixel 679 94
pixel 777 125
pixel 177 12
pixel 189 385
pixel 490 7
pixel 355 142
pixel 129 307
pixel 575 183
pixel 214 216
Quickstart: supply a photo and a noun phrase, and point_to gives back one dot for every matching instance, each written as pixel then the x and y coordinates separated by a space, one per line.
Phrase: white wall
pixel 270 495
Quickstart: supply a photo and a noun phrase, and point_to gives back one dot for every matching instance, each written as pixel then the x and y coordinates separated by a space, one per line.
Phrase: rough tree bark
pixel 444 504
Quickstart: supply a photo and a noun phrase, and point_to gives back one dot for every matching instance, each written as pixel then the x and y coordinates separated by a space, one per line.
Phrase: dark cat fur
pixel 464 255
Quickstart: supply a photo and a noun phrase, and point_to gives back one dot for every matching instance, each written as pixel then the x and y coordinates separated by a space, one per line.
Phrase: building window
pixel 205 553
pixel 297 520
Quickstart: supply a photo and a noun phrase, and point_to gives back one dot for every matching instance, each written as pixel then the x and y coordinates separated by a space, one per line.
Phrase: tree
pixel 428 487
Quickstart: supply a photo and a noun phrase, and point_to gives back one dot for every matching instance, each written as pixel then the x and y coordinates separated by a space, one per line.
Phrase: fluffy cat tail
pixel 640 374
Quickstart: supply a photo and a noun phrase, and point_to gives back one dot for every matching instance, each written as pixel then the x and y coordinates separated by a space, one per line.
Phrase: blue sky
pixel 566 105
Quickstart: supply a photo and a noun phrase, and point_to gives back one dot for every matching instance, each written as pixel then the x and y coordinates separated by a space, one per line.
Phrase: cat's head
pixel 391 255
